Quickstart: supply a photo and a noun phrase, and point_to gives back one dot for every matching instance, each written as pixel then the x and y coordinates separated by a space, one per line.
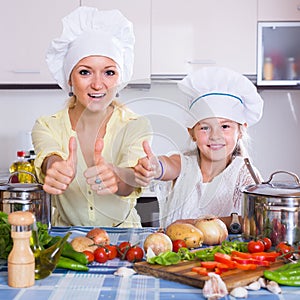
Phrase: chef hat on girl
pixel 222 93
pixel 88 31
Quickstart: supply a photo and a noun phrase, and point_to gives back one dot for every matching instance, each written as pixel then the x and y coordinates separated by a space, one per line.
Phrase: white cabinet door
pixel 27 28
pixel 138 12
pixel 279 10
pixel 190 34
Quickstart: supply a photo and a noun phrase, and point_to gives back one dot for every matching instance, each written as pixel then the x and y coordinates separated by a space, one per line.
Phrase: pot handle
pixel 286 172
pixel 21 171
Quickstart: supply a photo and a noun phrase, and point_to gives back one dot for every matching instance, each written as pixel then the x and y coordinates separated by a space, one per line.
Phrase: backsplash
pixel 275 140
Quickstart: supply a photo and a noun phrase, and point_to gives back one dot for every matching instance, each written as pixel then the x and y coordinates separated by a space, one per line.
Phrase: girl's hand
pixel 147 168
pixel 60 173
pixel 101 177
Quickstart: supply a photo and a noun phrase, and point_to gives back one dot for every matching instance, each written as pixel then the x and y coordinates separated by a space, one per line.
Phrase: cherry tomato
pixel 123 248
pixel 256 246
pixel 177 244
pixel 112 251
pixel 135 254
pixel 267 243
pixel 284 248
pixel 89 255
pixel 100 255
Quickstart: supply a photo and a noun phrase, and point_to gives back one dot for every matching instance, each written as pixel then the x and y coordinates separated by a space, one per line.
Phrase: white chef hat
pixel 223 93
pixel 88 31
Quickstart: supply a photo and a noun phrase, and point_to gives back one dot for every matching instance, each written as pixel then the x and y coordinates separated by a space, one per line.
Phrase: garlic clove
pixel 273 287
pixel 263 282
pixel 214 287
pixel 239 292
pixel 124 272
pixel 254 286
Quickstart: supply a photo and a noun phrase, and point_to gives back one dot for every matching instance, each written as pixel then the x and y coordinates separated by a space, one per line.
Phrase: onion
pixel 158 242
pixel 99 236
pixel 214 230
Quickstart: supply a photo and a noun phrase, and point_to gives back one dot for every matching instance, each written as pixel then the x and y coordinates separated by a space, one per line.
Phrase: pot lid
pixel 275 189
pixel 20 187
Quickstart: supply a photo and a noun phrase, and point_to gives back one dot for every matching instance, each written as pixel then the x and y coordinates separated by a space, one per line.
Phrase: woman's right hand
pixel 147 168
pixel 60 173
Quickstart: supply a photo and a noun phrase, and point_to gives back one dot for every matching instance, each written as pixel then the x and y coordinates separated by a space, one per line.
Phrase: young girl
pixel 85 153
pixel 207 180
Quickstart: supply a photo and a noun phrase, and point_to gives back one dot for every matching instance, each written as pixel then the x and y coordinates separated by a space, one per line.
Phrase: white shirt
pixel 190 198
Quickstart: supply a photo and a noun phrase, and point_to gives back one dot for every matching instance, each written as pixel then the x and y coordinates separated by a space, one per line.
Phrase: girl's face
pixel 216 138
pixel 94 80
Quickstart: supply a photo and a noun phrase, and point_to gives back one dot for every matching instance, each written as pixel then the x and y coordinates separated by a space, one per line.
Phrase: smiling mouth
pixel 216 146
pixel 97 96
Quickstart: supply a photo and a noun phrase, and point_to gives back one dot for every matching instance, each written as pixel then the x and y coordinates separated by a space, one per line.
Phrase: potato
pixel 192 236
pixel 82 243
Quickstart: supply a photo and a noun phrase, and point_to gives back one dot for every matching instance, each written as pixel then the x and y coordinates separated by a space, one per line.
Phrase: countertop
pixel 100 282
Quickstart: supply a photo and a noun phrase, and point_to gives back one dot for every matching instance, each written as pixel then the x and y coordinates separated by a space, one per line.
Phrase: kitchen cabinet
pixel 188 35
pixel 138 12
pixel 279 10
pixel 27 28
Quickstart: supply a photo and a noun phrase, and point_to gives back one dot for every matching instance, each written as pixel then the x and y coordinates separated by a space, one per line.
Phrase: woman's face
pixel 216 138
pixel 94 81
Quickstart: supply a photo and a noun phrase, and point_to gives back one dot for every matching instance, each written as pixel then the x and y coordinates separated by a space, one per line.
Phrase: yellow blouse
pixel 79 205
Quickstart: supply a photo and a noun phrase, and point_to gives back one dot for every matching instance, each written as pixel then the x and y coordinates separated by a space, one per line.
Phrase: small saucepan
pixel 26 197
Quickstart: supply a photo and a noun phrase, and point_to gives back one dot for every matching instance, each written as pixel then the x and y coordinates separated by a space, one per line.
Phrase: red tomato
pixel 267 243
pixel 177 244
pixel 123 248
pixel 256 246
pixel 285 248
pixel 89 255
pixel 100 255
pixel 112 251
pixel 134 254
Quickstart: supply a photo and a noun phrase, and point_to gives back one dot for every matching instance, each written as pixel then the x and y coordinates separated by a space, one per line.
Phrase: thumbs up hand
pixel 147 167
pixel 60 173
pixel 101 177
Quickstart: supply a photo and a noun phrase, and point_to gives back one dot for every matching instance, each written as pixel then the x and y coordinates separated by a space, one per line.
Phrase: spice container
pixel 268 71
pixel 21 259
pixel 291 69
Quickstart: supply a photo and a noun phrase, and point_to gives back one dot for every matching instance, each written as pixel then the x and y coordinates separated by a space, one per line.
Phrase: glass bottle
pixel 268 69
pixel 291 69
pixel 46 259
pixel 22 164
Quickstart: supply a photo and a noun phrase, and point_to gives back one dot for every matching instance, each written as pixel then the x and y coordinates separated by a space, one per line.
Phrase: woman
pixel 207 180
pixel 85 153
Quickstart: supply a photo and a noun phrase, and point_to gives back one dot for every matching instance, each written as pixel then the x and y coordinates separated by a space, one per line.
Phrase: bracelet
pixel 162 171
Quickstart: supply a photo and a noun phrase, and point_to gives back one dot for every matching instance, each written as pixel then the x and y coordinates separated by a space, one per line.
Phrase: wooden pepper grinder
pixel 21 259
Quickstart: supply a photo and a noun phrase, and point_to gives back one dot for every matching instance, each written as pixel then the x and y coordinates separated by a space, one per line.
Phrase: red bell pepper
pixel 225 259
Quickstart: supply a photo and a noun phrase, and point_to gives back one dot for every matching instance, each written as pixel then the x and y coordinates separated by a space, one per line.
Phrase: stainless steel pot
pixel 272 209
pixel 26 197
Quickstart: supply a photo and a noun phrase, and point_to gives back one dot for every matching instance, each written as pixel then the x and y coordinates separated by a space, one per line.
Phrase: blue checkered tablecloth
pixel 100 283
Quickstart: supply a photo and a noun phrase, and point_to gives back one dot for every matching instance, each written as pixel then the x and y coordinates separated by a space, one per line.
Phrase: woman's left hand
pixel 101 177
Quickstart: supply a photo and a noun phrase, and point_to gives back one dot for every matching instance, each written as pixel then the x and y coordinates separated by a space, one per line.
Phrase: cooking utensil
pixel 251 171
pixel 26 197
pixel 272 209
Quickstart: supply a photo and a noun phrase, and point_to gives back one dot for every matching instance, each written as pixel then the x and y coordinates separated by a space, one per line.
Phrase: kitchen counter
pixel 100 283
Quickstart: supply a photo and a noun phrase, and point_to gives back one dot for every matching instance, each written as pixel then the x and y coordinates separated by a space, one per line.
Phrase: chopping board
pixel 182 273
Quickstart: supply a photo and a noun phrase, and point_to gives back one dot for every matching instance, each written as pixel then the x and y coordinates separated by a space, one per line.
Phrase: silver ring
pixel 98 180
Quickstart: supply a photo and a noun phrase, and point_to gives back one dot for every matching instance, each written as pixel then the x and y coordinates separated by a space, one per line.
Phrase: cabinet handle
pixel 26 71
pixel 201 62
